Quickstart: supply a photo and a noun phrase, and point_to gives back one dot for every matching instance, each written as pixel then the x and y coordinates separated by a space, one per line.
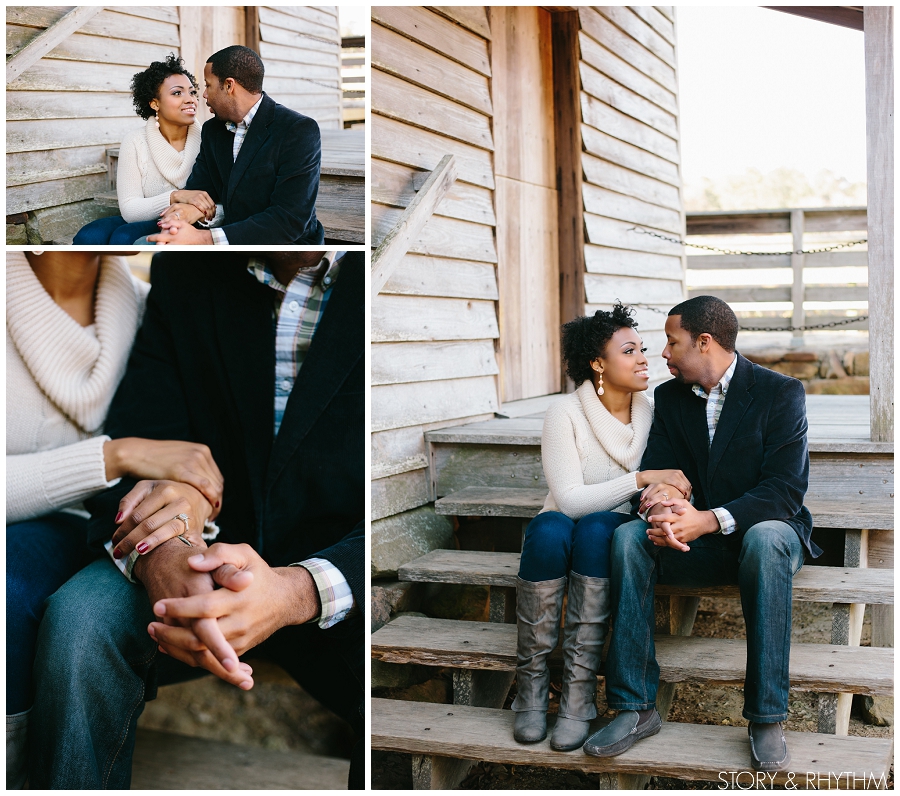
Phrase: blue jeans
pixel 762 563
pixel 96 665
pixel 41 555
pixel 555 544
pixel 114 230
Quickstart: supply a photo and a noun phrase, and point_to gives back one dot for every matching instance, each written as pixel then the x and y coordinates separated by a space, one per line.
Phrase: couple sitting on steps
pixel 723 463
pixel 251 175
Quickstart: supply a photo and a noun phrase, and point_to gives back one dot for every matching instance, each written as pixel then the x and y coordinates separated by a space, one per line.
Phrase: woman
pixel 155 160
pixel 70 323
pixel 591 448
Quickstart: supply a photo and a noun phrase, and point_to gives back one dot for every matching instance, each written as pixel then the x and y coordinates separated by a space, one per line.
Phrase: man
pixel 259 162
pixel 738 432
pixel 261 358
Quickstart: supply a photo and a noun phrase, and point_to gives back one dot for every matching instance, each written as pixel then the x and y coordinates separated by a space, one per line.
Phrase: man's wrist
pixel 301 596
pixel 711 522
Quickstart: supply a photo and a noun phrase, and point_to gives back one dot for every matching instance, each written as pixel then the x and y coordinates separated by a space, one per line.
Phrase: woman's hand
pixel 148 516
pixel 675 478
pixel 199 199
pixel 166 460
pixel 183 212
pixel 654 494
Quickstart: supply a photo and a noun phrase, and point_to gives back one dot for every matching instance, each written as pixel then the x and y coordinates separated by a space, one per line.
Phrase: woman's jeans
pixel 762 563
pixel 41 555
pixel 114 230
pixel 555 544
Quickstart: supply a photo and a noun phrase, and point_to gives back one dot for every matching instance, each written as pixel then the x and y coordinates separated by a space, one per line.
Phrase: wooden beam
pixel 797 315
pixel 52 37
pixel 567 101
pixel 251 28
pixel 396 243
pixel 844 16
pixel 879 56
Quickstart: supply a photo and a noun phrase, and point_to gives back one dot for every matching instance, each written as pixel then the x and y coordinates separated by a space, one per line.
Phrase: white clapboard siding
pixel 630 165
pixel 401 363
pixel 301 48
pixel 398 405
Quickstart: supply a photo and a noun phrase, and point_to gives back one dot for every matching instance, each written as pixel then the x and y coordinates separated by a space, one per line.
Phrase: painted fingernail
pixel 143 547
pixel 117 553
pixel 119 517
pixel 217 504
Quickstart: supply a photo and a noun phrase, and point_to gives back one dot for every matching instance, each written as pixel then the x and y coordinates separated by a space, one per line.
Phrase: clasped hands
pixel 674 521
pixel 202 625
pixel 177 220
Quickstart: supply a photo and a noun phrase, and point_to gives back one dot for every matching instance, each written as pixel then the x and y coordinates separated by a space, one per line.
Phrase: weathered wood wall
pixel 64 111
pixel 434 322
pixel 301 47
pixel 631 164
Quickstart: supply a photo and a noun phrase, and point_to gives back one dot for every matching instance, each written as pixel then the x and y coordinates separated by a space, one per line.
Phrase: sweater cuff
pixel 75 472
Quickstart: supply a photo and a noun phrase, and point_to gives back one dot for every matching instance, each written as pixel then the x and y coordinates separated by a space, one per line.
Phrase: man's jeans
pixel 762 564
pixel 96 665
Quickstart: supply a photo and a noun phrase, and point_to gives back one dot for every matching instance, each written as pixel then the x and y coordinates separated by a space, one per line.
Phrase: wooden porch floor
pixel 832 419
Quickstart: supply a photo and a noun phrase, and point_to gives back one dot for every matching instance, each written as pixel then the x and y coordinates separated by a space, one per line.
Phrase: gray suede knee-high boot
pixel 587 622
pixel 538 610
pixel 16 750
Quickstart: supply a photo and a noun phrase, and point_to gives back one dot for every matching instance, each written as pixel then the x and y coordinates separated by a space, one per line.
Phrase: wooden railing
pixel 731 229
pixel 353 80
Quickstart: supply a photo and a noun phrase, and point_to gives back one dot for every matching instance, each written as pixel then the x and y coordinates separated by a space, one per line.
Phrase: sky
pixel 764 89
pixel 354 20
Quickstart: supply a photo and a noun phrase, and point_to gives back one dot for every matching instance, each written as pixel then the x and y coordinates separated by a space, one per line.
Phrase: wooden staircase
pixel 493 469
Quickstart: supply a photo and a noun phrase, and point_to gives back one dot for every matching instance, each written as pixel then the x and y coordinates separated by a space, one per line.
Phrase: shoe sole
pixel 757 765
pixel 625 744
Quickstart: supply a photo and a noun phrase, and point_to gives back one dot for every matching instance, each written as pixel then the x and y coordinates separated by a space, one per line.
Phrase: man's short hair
pixel 240 63
pixel 708 315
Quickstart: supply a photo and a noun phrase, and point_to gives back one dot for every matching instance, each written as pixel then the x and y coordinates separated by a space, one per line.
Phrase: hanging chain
pixel 813 327
pixel 747 254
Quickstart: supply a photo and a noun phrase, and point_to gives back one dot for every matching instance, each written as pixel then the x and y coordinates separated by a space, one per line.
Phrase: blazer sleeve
pixel 200 179
pixel 150 402
pixel 292 205
pixel 562 469
pixel 349 556
pixel 784 473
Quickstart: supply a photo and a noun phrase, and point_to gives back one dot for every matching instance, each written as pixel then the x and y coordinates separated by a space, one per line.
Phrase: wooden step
pixel 685 751
pixel 811 584
pixel 479 501
pixel 164 761
pixel 824 668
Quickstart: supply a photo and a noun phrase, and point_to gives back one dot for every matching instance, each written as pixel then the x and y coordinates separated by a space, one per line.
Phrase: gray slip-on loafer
pixel 621 734
pixel 768 748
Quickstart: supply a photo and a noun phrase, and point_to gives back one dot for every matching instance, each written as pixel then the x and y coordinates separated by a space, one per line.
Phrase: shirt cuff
pixel 218 237
pixel 727 523
pixel 334 591
pixel 124 565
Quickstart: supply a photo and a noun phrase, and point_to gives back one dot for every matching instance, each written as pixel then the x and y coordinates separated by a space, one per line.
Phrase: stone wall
pixel 828 371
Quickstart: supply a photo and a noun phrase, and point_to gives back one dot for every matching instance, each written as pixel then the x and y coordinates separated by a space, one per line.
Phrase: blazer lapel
pixel 223 146
pixel 256 136
pixel 737 401
pixel 695 429
pixel 243 317
pixel 336 347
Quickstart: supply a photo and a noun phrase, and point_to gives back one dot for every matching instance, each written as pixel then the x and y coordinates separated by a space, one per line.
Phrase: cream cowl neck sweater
pixel 60 380
pixel 150 168
pixel 589 457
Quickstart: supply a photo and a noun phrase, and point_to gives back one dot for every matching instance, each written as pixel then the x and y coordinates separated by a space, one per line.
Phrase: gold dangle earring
pixel 600 385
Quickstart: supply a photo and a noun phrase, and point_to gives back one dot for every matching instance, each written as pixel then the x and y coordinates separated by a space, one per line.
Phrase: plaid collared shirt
pixel 715 400
pixel 240 133
pixel 299 308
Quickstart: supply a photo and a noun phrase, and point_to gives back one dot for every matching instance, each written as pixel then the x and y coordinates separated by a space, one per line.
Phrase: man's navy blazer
pixel 269 192
pixel 203 370
pixel 758 464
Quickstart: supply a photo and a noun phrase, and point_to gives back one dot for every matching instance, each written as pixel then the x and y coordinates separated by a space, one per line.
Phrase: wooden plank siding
pixel 631 164
pixel 434 322
pixel 64 110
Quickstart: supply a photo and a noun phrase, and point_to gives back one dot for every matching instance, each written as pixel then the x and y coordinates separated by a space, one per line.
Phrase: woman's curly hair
pixel 585 339
pixel 145 85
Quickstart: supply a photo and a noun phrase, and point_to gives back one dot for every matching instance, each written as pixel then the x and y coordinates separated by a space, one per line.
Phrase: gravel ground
pixel 709 704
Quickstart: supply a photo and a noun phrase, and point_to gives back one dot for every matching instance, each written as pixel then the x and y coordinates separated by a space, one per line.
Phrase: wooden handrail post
pixel 397 242
pixel 798 316
pixel 48 39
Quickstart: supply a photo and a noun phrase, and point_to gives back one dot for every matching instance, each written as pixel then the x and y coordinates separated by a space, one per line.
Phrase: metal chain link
pixel 813 327
pixel 747 254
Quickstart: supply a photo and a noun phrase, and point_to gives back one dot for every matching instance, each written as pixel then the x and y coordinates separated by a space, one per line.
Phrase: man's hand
pixel 182 233
pixel 656 493
pixel 269 599
pixel 182 212
pixel 166 573
pixel 687 524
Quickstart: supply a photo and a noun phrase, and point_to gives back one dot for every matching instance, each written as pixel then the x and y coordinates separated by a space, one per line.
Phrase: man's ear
pixel 230 84
pixel 704 341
